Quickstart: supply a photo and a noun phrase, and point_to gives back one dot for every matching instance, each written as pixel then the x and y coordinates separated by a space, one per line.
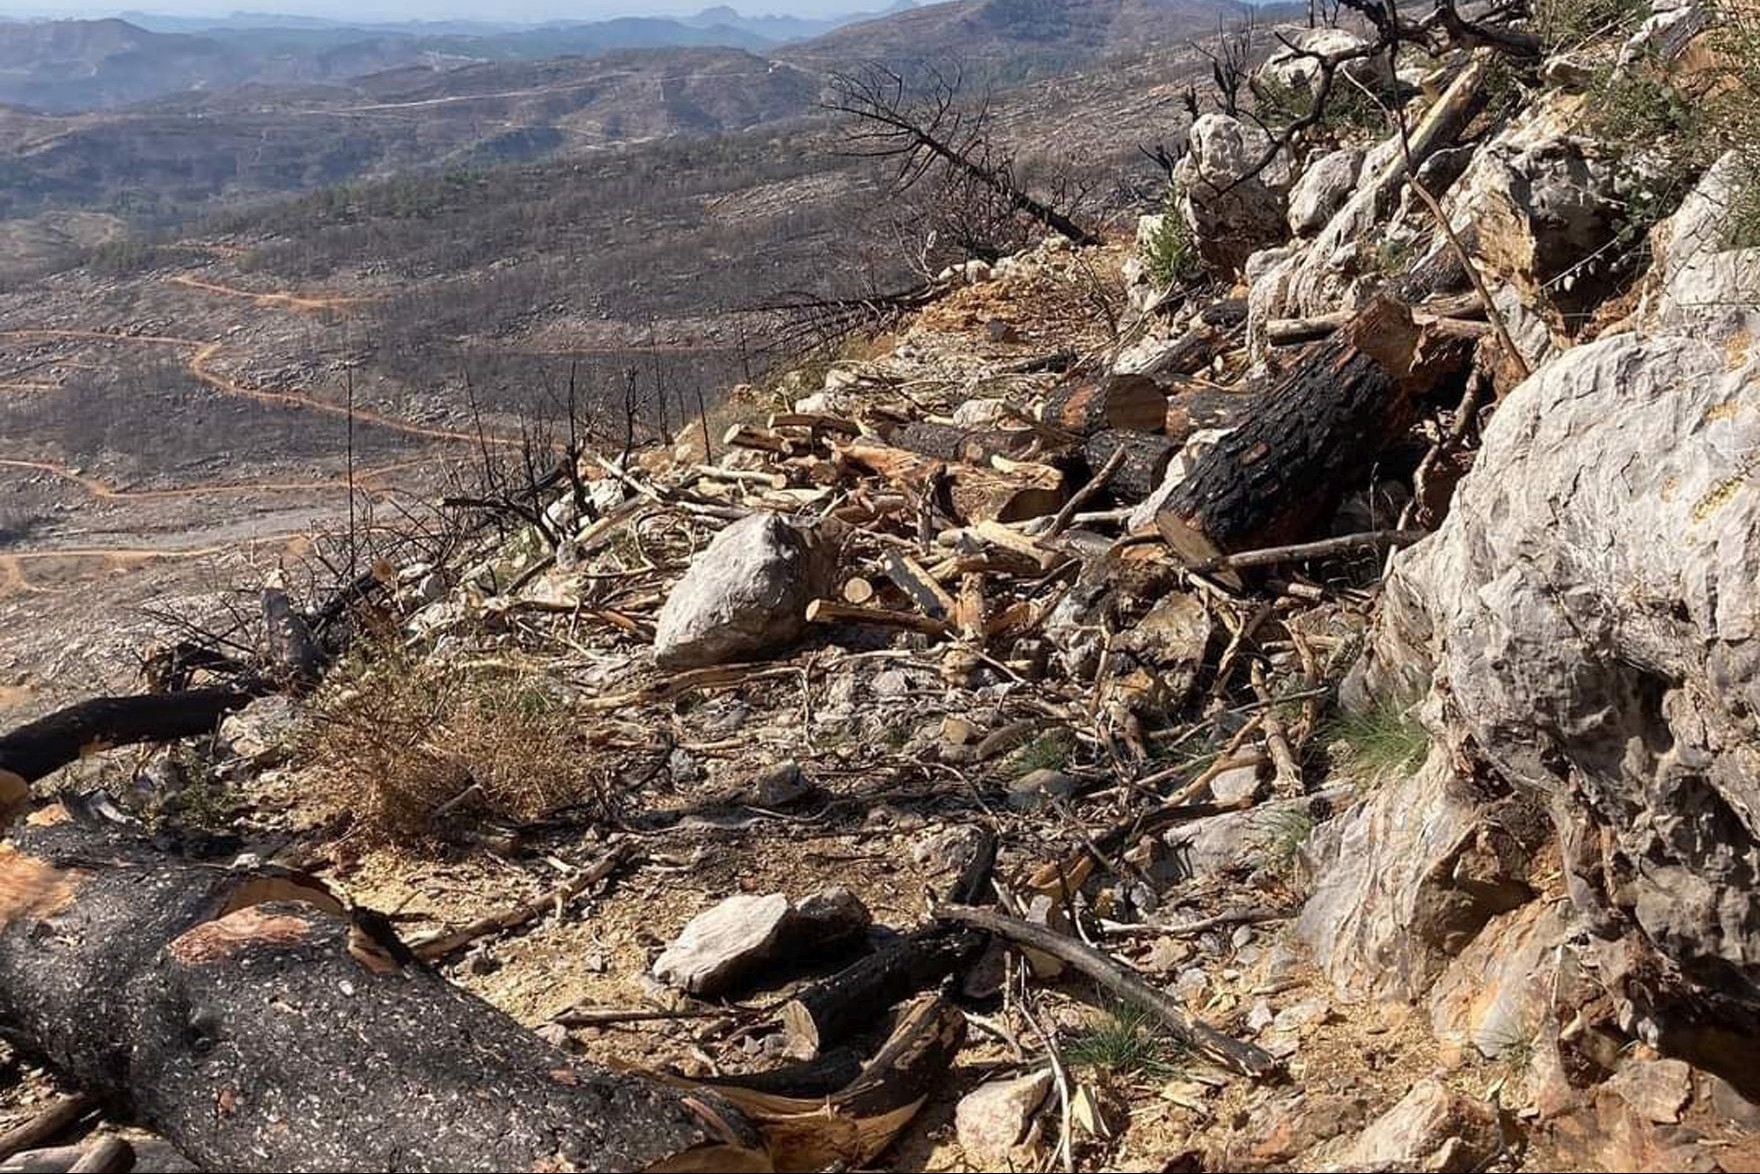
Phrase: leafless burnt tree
pixel 1231 60
pixel 928 133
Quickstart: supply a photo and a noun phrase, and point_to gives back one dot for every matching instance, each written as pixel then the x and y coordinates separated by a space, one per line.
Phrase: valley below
pixel 196 378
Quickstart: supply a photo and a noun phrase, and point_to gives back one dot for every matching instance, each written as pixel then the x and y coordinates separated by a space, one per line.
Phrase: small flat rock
pixel 1236 785
pixel 721 944
pixel 829 919
pixel 995 1117
pixel 1165 956
pixel 1303 1014
pixel 1036 787
pixel 946 850
pixel 892 683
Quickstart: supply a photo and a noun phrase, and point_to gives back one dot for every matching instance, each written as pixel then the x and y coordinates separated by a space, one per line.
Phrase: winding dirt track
pixel 202 354
pixel 306 303
pixel 199 363
pixel 13 579
pixel 365 481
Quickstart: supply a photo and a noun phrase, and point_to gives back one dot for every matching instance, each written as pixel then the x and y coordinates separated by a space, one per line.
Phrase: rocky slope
pixel 1433 860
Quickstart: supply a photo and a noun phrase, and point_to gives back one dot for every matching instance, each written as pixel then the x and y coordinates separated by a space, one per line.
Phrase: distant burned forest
pixel 680 243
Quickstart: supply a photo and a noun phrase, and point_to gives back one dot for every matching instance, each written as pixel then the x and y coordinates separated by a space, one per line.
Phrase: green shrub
pixel 1348 107
pixel 1172 253
pixel 1666 127
pixel 1282 834
pixel 1048 751
pixel 1732 115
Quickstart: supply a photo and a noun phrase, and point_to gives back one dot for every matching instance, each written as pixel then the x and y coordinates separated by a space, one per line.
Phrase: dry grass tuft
pixel 396 738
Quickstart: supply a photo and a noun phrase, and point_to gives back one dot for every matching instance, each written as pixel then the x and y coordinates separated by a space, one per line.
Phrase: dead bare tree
pixel 930 133
pixel 1231 60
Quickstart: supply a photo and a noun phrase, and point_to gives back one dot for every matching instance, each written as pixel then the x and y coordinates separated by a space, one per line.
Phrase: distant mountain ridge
pixel 184 120
pixel 1021 37
pixel 61 66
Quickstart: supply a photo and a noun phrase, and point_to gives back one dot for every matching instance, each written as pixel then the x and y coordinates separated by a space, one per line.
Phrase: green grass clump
pixel 1124 1040
pixel 1048 751
pixel 1283 832
pixel 1381 741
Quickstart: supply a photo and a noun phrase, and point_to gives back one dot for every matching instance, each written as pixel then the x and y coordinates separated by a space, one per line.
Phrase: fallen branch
pixel 444 943
pixel 1101 479
pixel 1248 1059
pixel 830 611
pixel 1320 548
pixel 1283 758
pixel 1192 929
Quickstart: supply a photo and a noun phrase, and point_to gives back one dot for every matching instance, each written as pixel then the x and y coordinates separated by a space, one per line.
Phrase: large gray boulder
pixel 1292 66
pixel 1323 189
pixel 1591 608
pixel 1232 206
pixel 745 594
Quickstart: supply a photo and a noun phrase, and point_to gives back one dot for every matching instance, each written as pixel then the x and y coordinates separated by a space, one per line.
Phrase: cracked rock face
pixel 1592 607
pixel 1543 210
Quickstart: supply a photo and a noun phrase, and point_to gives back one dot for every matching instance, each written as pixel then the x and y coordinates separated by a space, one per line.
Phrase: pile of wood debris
pixel 997 713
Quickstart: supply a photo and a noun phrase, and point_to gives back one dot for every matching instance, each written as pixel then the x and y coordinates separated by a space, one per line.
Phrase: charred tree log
pixel 1146 457
pixel 260 1033
pixel 1133 402
pixel 949 442
pixel 294 657
pixel 1212 333
pixel 1312 434
pixel 840 1007
pixel 50 743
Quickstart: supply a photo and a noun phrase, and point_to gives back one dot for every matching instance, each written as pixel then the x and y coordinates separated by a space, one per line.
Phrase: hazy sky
pixel 366 10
